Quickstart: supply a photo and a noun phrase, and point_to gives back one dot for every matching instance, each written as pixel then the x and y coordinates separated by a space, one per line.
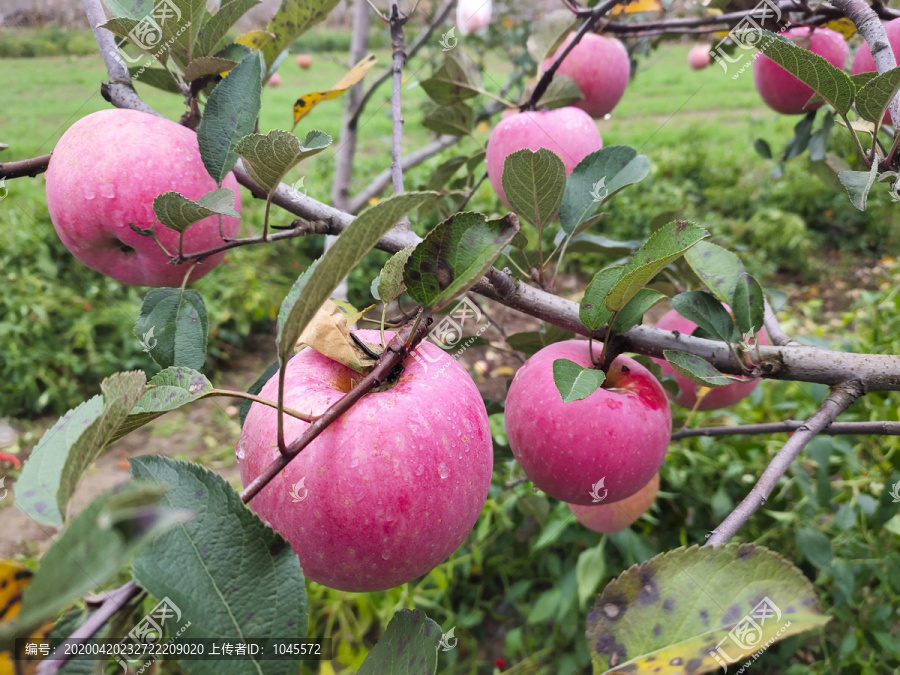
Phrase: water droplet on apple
pixel 354 462
pixel 89 194
pixel 241 449
pixel 443 471
pixel 386 555
pixel 607 116
pixel 420 469
pixel 108 190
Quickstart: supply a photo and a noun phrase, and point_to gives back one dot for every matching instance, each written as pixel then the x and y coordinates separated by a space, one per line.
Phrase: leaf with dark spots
pixel 408 647
pixel 674 606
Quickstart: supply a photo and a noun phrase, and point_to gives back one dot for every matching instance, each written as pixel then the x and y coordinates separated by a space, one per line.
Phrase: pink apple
pixel 304 61
pixel 569 132
pixel 608 518
pixel 600 67
pixel 388 491
pixel 698 57
pixel 863 61
pixel 783 92
pixel 718 397
pixel 275 80
pixel 104 174
pixel 618 435
pixel 473 15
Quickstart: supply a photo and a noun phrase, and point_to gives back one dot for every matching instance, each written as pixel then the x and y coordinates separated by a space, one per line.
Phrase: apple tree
pixel 366 456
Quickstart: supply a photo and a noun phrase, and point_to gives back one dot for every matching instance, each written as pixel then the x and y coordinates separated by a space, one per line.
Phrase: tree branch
pixel 838 400
pixel 774 329
pixel 398 43
pixel 24 167
pixel 870 27
pixel 439 16
pixel 788 426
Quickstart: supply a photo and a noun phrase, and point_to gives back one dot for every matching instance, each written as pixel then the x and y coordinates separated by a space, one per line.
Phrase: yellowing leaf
pixel 255 39
pixel 328 334
pixel 637 6
pixel 844 26
pixel 309 101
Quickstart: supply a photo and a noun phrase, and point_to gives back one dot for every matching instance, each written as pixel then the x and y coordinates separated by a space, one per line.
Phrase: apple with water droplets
pixel 568 132
pixel 604 447
pixel 608 518
pixel 389 490
pixel 103 176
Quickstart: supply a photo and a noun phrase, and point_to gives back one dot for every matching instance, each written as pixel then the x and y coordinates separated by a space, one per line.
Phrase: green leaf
pixel 596 178
pixel 563 91
pixel 293 18
pixel 445 171
pixel 584 242
pixel 205 66
pixel 173 327
pixel 747 305
pixel 633 313
pixel 688 605
pixel 592 311
pixel 455 255
pixel 227 570
pixel 574 382
pixel 705 311
pixel 832 83
pixel 268 158
pixel 531 342
pixel 216 27
pixel 69 447
pixel 176 211
pixel 696 369
pixel 184 31
pixel 861 79
pixel 801 138
pixel 873 98
pixel 534 183
pixel 814 546
pixel 665 245
pixel 408 647
pixel 717 267
pixel 818 142
pixel 91 551
pixel 390 284
pixel 762 148
pixel 318 283
pixel 167 390
pixel 452 82
pixel 858 184
pixel 455 120
pixel 229 115
pixel 133 9
pixel 154 77
pixel 589 571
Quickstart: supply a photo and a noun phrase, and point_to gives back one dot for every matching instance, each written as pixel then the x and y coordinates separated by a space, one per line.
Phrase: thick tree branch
pixel 24 167
pixel 838 400
pixel 398 43
pixel 870 27
pixel 789 426
pixel 439 16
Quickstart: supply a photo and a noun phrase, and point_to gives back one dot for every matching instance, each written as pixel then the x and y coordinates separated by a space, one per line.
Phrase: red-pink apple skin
pixel 104 174
pixel 304 61
pixel 608 518
pixel 698 58
pixel 394 485
pixel 783 92
pixel 718 397
pixel 619 434
pixel 275 80
pixel 600 67
pixel 863 61
pixel 568 132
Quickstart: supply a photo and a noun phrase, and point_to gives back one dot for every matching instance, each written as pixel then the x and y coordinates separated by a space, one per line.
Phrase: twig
pixel 439 16
pixel 774 329
pixel 114 602
pixel 393 356
pixel 838 400
pixel 24 167
pixel 788 426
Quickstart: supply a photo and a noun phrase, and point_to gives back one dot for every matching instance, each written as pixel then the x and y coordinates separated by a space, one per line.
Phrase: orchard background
pixel 517 593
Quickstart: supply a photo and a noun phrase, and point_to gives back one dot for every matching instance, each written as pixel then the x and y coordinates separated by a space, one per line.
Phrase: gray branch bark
pixel 836 429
